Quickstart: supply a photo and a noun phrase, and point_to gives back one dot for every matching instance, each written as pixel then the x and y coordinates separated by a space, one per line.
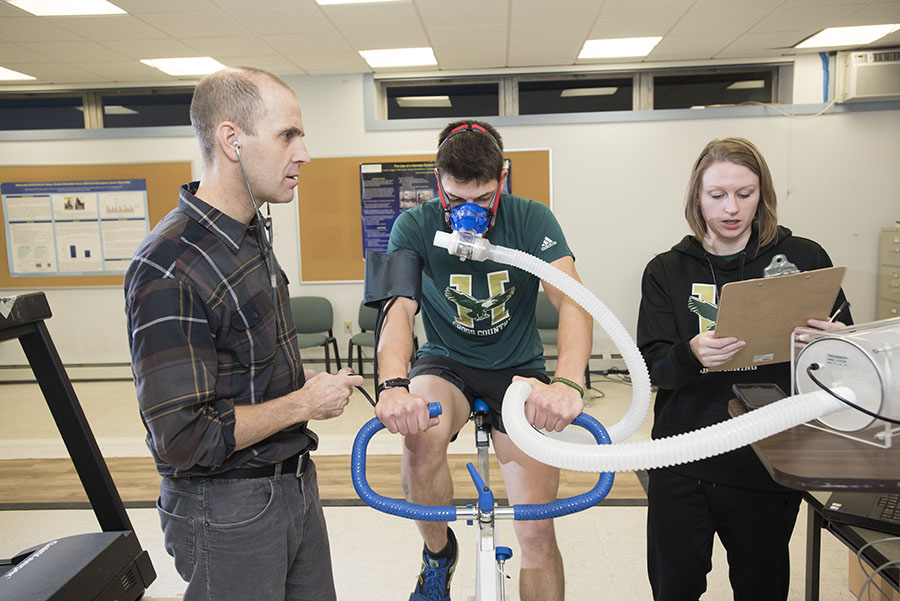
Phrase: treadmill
pixel 99 566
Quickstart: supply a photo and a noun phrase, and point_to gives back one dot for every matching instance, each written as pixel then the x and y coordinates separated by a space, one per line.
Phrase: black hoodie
pixel 688 396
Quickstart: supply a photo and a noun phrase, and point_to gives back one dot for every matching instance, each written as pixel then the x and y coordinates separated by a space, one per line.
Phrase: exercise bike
pixel 490 557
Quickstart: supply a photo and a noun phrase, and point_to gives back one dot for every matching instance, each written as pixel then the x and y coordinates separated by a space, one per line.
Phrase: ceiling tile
pixel 751 43
pixel 810 19
pixel 235 5
pixel 141 7
pixel 469 47
pixel 163 48
pixel 69 52
pixel 635 9
pixel 16 53
pixel 246 45
pixel 331 62
pixel 536 11
pixel 703 6
pixel 108 27
pixel 546 43
pixel 736 53
pixel 275 63
pixel 874 14
pixel 437 13
pixel 376 26
pixel 34 29
pixel 717 23
pixel 285 21
pixel 130 71
pixel 49 73
pixel 631 27
pixel 308 43
pixel 690 47
pixel 189 24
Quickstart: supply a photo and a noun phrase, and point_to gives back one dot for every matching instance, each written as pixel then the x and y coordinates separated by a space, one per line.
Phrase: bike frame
pixel 489 577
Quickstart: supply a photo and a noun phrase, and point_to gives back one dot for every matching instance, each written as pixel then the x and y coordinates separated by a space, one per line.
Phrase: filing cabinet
pixel 889 274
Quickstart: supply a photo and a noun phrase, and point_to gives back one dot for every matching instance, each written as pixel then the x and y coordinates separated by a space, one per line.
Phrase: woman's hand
pixel 713 352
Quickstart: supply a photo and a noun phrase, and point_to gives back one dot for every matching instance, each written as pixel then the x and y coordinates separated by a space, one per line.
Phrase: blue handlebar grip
pixel 580 502
pixel 442 513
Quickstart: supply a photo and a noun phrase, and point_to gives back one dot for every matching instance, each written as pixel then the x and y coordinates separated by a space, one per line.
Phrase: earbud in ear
pixel 237 146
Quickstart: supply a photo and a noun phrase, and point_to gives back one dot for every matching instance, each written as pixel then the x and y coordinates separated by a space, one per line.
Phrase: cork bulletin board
pixel 330 213
pixel 163 181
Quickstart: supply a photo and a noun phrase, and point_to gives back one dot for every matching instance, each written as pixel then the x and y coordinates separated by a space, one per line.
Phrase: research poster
pixel 388 189
pixel 73 228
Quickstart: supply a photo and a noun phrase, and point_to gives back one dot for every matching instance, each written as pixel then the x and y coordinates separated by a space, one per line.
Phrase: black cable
pixel 366 394
pixel 814 366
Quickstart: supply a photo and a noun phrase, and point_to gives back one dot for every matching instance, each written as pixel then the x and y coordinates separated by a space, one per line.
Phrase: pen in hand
pixel 843 306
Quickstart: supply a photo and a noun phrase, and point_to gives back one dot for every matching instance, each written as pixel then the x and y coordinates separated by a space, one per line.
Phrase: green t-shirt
pixel 481 314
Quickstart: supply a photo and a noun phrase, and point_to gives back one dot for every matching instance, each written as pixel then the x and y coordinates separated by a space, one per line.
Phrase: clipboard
pixel 765 311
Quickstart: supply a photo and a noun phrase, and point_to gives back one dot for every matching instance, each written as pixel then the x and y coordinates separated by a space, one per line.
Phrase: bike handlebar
pixel 448 513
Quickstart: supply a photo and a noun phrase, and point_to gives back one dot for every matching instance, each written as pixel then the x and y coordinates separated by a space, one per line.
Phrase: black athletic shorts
pixel 487 385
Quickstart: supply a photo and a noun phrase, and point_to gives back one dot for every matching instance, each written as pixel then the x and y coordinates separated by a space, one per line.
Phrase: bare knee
pixel 537 540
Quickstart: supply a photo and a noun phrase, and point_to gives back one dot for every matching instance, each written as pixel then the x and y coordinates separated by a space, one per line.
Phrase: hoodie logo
pixel 702 302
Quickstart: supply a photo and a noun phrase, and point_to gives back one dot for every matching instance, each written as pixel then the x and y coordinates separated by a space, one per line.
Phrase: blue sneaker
pixel 434 579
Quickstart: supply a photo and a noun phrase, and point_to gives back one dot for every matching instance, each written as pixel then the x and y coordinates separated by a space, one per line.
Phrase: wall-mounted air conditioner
pixel 868 75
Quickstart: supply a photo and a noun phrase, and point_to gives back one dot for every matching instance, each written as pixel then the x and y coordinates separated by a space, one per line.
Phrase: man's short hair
pixel 470 154
pixel 228 95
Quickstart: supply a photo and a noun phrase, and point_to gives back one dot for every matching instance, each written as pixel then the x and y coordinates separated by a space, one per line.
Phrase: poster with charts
pixel 73 227
pixel 388 189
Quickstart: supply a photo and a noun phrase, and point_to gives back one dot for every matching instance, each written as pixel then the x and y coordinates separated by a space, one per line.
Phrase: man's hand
pixel 551 407
pixel 713 352
pixel 403 412
pixel 324 396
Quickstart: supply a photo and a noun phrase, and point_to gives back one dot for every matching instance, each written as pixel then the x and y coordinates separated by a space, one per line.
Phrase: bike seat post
pixel 482 439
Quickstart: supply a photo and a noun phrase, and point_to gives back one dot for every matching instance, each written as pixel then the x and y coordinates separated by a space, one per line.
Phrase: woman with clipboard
pixel 730 207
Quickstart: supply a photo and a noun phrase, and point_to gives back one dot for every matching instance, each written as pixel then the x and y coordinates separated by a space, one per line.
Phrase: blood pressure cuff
pixel 391 275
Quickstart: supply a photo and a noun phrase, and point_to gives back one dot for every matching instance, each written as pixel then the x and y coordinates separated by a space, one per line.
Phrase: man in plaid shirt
pixel 221 387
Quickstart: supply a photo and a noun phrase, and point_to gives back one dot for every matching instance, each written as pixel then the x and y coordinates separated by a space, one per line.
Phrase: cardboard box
pixel 856 578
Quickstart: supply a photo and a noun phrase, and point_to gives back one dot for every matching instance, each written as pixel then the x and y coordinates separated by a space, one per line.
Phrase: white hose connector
pixel 664 452
pixel 479 249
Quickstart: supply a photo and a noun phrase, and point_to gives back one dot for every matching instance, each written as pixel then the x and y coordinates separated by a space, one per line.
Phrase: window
pixel 579 95
pixel 704 89
pixel 442 99
pixel 146 108
pixel 41 111
pixel 580 92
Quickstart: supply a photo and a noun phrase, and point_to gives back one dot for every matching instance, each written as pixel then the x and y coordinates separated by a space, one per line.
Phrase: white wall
pixel 617 190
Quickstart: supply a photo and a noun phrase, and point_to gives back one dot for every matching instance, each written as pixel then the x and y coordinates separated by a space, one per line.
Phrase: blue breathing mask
pixel 470 217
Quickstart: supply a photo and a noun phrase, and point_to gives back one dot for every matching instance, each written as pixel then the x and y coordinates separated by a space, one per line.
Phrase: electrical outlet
pixel 348 327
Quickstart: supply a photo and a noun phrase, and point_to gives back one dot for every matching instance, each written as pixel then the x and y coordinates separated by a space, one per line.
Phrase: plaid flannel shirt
pixel 205 335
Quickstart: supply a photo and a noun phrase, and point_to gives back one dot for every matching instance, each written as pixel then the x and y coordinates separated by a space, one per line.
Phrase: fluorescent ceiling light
pixel 399 57
pixel 9 75
pixel 54 8
pixel 618 47
pixel 327 2
pixel 195 65
pixel 572 92
pixel 848 36
pixel 747 84
pixel 423 101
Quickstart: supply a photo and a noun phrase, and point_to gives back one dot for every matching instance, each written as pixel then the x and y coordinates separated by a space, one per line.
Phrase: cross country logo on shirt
pixel 470 309
pixel 702 302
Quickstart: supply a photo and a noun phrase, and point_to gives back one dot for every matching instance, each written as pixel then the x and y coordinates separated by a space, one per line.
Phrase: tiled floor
pixel 603 547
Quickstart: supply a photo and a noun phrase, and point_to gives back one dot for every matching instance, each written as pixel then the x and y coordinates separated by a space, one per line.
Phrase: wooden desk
pixel 810 459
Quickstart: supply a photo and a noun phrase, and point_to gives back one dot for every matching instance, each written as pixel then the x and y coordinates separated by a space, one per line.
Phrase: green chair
pixel 313 318
pixel 367 320
pixel 547 319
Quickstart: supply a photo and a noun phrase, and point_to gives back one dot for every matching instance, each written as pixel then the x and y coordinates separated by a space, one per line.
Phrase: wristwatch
pixel 393 383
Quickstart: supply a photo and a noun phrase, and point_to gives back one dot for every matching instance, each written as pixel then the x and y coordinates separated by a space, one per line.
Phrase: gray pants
pixel 257 538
